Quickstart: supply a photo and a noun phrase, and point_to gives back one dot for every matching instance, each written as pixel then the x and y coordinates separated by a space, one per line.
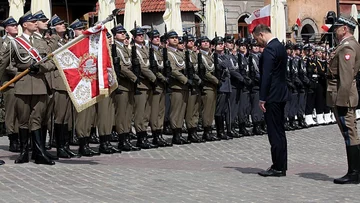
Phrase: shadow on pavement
pixel 77 161
pixel 247 170
pixel 10 157
pixel 316 176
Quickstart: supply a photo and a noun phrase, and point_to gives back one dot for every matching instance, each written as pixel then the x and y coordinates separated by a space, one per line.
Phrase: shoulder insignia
pixel 347 42
pixel 347 57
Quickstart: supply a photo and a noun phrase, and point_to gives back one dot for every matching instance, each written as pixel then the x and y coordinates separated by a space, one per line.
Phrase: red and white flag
pixel 260 16
pixel 326 27
pixel 86 68
pixel 298 21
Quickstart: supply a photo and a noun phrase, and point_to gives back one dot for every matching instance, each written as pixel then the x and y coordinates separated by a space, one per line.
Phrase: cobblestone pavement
pixel 223 171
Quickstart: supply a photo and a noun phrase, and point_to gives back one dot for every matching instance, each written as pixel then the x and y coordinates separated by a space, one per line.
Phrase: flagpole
pixel 60 49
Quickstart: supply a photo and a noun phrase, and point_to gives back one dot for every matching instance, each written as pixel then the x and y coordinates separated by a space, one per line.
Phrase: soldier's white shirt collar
pixel 139 45
pixel 120 43
pixel 204 52
pixel 9 36
pixel 172 48
pixel 155 47
pixel 27 37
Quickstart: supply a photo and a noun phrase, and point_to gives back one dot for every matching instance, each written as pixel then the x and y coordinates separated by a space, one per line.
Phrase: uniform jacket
pixel 127 77
pixel 210 81
pixel 160 77
pixel 57 82
pixel 9 72
pixel 30 84
pixel 147 76
pixel 344 65
pixel 178 79
pixel 48 75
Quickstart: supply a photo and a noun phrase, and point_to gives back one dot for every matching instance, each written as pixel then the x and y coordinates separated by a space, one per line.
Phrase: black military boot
pixel 110 146
pixel 353 174
pixel 287 126
pixel 233 131
pixel 220 128
pixel 67 135
pixel 94 138
pixel 43 144
pixel 125 144
pixel 114 135
pixel 40 157
pixel 243 131
pixel 103 147
pixel 264 126
pixel 141 140
pixel 257 129
pixel 2 129
pixel 60 141
pixel 24 147
pixel 167 128
pixel 301 121
pixel 207 136
pixel 192 136
pixel 168 144
pixel 83 148
pixel 14 145
pixel 156 140
pixel 184 140
pixel 176 140
pixel 74 141
pixel 93 152
pixel 293 124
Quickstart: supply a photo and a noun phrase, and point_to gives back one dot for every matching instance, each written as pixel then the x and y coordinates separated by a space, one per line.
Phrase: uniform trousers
pixel 209 104
pixel 178 99
pixel 302 102
pixel 105 111
pixel 29 111
pixel 193 110
pixel 292 106
pixel 124 106
pixel 222 104
pixel 142 110
pixel 157 110
pixel 84 121
pixel 346 120
pixel 62 107
pixel 11 123
pixel 234 103
pixel 256 113
pixel 244 108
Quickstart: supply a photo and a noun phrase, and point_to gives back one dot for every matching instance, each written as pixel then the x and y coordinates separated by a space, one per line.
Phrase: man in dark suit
pixel 273 96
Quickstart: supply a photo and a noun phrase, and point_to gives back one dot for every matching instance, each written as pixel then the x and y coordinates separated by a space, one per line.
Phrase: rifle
pixel 189 68
pixel 136 69
pixel 167 67
pixel 218 71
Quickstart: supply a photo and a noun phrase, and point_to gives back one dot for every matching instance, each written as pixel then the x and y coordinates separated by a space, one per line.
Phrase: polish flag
pixel 326 27
pixel 298 21
pixel 260 16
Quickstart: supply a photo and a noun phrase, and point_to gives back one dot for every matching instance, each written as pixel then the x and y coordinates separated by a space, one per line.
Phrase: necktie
pixel 31 40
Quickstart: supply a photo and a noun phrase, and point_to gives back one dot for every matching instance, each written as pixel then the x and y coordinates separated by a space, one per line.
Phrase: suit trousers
pixel 62 107
pixel 209 104
pixel 141 110
pixel 105 111
pixel 11 123
pixel 244 108
pixel 124 106
pixel 274 118
pixel 29 110
pixel 192 110
pixel 84 121
pixel 157 110
pixel 178 99
pixel 346 120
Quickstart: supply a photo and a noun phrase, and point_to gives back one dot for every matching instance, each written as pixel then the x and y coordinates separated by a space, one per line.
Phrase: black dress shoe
pixel 2 162
pixel 350 178
pixel 272 172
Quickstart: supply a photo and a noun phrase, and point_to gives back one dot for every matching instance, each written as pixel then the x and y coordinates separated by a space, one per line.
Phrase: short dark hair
pixel 261 28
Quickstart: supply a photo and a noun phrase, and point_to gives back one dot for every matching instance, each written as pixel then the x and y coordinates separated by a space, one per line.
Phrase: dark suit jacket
pixel 273 86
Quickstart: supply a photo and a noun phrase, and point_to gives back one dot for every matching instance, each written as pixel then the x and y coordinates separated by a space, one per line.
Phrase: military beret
pixel 127 35
pixel 172 33
pixel 27 17
pixel 55 20
pixel 137 31
pixel 154 33
pixel 197 42
pixel 348 21
pixel 9 21
pixel 77 24
pixel 40 16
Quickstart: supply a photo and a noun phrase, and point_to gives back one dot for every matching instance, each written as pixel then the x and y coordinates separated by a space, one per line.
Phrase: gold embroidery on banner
pixel 66 60
pixel 82 93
